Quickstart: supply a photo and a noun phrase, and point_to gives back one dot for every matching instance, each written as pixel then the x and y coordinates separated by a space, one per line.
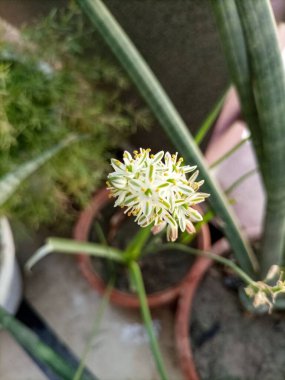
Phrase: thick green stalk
pixel 43 353
pixel 268 83
pixel 138 281
pixel 134 248
pixel 169 119
pixel 234 45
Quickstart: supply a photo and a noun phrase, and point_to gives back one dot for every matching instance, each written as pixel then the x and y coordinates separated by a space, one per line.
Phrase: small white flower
pixel 155 189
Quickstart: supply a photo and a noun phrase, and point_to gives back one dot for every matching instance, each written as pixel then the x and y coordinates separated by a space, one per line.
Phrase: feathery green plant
pixel 59 81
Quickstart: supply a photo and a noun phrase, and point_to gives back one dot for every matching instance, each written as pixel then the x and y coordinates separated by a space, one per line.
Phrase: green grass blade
pixel 138 281
pixel 240 180
pixel 11 181
pixel 74 247
pixel 169 119
pixel 95 330
pixel 229 153
pixel 209 121
pixel 43 353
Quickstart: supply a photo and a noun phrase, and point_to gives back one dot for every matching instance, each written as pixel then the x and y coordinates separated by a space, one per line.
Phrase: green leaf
pixel 11 181
pixel 250 41
pixel 209 121
pixel 268 82
pixel 43 353
pixel 169 119
pixel 234 45
pixel 74 247
pixel 229 153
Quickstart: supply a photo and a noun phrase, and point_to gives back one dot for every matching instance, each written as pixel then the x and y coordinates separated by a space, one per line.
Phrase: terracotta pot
pixel 184 309
pixel 81 232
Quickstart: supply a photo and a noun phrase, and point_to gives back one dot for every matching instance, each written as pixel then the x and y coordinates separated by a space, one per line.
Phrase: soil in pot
pixel 161 270
pixel 230 344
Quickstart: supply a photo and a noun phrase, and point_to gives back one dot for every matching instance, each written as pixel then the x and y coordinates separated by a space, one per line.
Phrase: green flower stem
pixel 239 181
pixel 43 353
pixel 222 260
pixel 169 119
pixel 229 153
pixel 95 329
pixel 134 249
pixel 74 247
pixel 138 281
pixel 209 121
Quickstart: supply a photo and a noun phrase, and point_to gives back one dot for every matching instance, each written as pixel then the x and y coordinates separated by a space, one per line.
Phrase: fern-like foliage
pixel 60 80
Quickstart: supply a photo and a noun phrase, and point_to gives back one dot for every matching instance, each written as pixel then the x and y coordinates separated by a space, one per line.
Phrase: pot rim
pixel 184 310
pixel 118 297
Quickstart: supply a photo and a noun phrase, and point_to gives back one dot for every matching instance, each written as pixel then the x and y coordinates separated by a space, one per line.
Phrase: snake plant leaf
pixel 234 45
pixel 39 350
pixel 74 247
pixel 11 181
pixel 269 91
pixel 248 34
pixel 169 119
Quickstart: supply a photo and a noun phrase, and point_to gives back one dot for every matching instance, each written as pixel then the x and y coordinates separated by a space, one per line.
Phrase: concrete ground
pixel 120 350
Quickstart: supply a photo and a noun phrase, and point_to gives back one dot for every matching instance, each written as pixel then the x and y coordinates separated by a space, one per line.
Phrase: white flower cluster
pixel 155 189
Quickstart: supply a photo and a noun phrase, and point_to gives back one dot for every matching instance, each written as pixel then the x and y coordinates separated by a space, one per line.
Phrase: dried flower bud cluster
pixel 264 293
pixel 155 189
